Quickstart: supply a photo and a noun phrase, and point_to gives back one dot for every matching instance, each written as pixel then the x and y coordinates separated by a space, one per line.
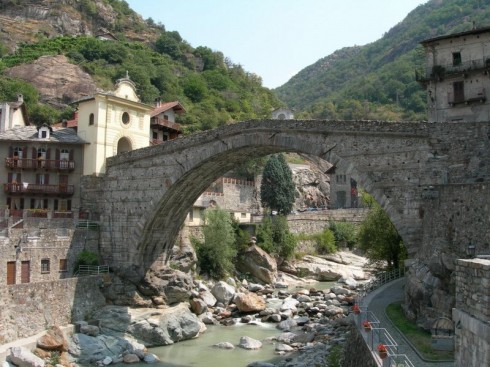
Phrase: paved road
pixel 377 301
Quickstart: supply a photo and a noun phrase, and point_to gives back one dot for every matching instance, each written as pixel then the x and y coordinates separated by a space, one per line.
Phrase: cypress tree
pixel 277 189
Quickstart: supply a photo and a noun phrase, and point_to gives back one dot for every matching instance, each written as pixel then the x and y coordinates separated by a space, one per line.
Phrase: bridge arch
pixel 147 193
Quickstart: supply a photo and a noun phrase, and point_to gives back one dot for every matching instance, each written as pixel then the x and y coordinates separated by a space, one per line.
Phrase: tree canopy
pixel 277 190
pixel 380 240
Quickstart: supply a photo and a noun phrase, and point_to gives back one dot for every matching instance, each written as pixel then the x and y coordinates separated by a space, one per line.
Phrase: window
pixel 456 58
pixel 125 118
pixel 341 179
pixel 155 135
pixel 243 215
pixel 64 154
pixel 91 119
pixel 45 266
pixel 458 89
pixel 165 117
pixel 63 265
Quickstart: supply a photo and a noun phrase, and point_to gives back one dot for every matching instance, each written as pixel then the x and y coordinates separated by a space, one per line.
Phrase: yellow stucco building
pixel 113 123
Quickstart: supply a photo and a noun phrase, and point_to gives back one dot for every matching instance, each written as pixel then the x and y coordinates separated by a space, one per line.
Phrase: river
pixel 201 353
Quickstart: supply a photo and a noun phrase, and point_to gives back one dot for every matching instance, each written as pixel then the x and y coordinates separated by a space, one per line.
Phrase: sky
pixel 276 39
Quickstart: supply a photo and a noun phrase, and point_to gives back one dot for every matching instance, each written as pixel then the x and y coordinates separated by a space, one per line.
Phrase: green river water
pixel 199 352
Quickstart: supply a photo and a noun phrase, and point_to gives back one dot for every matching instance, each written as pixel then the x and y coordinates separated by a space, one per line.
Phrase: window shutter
pixel 34 152
pixel 57 154
pixel 10 177
pixel 55 204
pixel 11 151
pixel 71 154
pixel 48 153
pixel 68 205
pixel 24 152
pixel 45 206
pixel 46 179
pixel 19 177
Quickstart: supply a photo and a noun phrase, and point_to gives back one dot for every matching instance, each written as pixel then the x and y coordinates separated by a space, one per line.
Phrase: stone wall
pixel 472 313
pixel 356 352
pixel 314 222
pixel 27 309
pixel 33 245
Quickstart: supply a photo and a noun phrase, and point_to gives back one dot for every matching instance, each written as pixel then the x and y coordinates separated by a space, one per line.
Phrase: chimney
pixel 64 123
pixel 158 102
pixel 20 98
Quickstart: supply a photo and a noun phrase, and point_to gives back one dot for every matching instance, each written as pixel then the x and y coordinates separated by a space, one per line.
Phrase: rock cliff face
pixel 312 186
pixel 29 21
pixel 57 81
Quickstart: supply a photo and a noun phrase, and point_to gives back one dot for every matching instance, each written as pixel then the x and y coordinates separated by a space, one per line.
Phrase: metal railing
pixel 382 278
pixel 28 188
pixel 34 163
pixel 84 270
pixel 370 327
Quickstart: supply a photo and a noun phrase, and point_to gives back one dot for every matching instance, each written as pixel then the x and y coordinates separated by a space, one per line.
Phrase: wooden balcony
pixel 46 164
pixel 29 189
pixel 155 121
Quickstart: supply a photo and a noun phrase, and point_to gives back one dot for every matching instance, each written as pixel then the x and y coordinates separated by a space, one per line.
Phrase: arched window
pixel 91 119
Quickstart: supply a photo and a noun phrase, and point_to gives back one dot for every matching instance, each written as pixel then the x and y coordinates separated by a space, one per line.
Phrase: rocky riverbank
pixel 311 321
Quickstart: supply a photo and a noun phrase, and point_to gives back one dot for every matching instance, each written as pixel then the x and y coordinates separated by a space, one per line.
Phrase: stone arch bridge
pixel 432 180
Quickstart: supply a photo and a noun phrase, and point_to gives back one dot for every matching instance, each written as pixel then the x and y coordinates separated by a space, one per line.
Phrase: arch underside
pixel 158 228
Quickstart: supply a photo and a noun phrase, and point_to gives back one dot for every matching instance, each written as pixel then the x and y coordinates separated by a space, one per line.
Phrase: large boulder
pixel 223 292
pixel 176 286
pixel 54 339
pixel 322 269
pixel 259 264
pixel 90 350
pixel 22 357
pixel 152 327
pixel 249 302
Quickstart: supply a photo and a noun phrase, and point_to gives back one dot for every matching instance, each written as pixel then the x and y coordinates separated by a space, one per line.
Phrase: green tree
pixel 274 237
pixel 217 252
pixel 380 240
pixel 277 188
pixel 345 234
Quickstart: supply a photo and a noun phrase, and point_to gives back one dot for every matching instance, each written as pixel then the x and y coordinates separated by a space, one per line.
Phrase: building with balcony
pixel 457 76
pixel 41 171
pixel 162 122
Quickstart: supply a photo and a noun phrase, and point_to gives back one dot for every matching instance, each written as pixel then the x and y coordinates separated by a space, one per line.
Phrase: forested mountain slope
pixel 377 81
pixel 213 89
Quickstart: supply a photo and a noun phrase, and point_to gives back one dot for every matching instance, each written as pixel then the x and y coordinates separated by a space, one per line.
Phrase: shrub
pixel 216 253
pixel 325 242
pixel 273 236
pixel 345 234
pixel 86 258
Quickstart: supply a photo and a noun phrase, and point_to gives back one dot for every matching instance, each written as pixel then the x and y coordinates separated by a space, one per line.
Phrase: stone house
pixel 456 76
pixel 162 122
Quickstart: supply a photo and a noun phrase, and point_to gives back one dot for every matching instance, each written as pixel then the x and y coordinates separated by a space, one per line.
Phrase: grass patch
pixel 419 338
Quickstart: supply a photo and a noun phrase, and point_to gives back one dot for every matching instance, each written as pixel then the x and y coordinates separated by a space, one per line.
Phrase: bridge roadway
pixel 377 301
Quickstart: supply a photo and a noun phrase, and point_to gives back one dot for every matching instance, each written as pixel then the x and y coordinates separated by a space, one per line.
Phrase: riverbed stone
pixel 249 302
pixel 259 264
pixel 224 345
pixel 54 339
pixel 223 292
pixel 247 342
pixel 131 358
pixel 22 357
